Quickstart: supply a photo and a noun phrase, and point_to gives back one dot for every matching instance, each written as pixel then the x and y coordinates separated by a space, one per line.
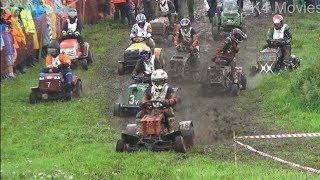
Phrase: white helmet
pixel 141 18
pixel 159 79
pixel 72 13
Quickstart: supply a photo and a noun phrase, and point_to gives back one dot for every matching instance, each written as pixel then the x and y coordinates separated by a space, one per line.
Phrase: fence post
pixel 234 148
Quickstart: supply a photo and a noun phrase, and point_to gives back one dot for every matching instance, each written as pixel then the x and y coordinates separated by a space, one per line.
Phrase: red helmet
pixel 277 21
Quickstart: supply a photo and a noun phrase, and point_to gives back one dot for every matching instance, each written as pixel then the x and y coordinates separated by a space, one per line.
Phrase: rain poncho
pixel 17 32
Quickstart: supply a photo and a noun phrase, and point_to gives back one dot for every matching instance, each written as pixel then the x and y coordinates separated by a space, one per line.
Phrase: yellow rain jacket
pixel 28 22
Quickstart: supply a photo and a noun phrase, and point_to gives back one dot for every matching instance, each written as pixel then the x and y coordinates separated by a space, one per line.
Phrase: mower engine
pixel 217 74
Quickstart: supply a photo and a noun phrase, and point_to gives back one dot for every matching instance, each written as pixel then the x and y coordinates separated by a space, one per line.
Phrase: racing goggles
pixel 159 82
pixel 141 24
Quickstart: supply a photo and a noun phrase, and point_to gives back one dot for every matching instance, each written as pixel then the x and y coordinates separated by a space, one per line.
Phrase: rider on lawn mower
pixel 227 50
pixel 142 29
pixel 72 28
pixel 280 36
pixel 59 62
pixel 167 9
pixel 187 37
pixel 160 91
pixel 147 64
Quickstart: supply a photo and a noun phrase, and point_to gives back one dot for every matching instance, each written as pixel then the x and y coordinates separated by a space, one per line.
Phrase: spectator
pixel 9 52
pixel 30 29
pixel 122 10
pixel 149 7
pixel 211 6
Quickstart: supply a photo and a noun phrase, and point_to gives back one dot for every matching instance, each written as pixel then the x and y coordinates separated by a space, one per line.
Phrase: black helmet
pixel 238 35
pixel 53 48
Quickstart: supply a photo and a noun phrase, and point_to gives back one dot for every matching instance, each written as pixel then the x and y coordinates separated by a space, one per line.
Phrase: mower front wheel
pixel 179 145
pixel 235 89
pixel 121 69
pixel 78 89
pixel 33 98
pixel 121 146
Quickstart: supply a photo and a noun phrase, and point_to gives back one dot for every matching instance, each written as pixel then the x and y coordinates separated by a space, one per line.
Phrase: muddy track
pixel 215 115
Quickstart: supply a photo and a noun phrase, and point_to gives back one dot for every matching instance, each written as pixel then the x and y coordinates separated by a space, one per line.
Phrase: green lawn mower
pixel 129 103
pixel 228 17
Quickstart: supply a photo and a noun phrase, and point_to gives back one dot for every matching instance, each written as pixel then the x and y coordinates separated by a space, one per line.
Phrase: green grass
pixel 294 97
pixel 74 139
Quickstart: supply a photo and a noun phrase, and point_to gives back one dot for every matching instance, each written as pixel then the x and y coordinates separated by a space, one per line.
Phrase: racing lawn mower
pixel 161 27
pixel 52 86
pixel 227 18
pixel 152 133
pixel 130 101
pixel 72 48
pixel 184 65
pixel 219 76
pixel 131 55
pixel 271 60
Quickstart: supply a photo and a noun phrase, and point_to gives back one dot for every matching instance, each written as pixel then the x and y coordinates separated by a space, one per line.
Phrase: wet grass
pixel 293 97
pixel 74 139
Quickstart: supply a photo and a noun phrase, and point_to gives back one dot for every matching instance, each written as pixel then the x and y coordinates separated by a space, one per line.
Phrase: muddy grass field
pixel 77 139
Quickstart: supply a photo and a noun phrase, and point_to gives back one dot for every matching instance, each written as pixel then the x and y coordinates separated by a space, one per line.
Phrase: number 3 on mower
pixel 132 99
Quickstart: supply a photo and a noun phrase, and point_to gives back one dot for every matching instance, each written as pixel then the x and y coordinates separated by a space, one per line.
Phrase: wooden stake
pixel 235 149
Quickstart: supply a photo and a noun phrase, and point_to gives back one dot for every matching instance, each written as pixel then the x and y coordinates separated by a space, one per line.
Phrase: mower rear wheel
pixel 121 146
pixel 243 82
pixel 253 70
pixel 78 89
pixel 33 98
pixel 121 69
pixel 189 137
pixel 90 57
pixel 84 64
pixel 179 145
pixel 117 110
pixel 235 90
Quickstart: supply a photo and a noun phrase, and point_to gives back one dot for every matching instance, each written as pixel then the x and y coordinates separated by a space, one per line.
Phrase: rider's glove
pixel 146 105
pixel 77 33
pixel 64 33
pixel 166 103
